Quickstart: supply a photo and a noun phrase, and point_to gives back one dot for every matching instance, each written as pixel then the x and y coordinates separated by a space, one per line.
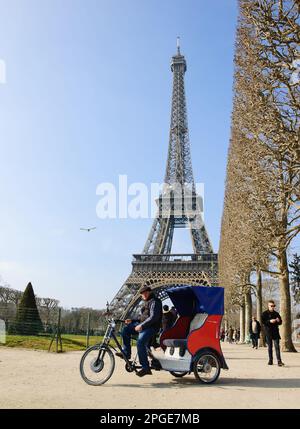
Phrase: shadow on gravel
pixel 283 383
pixel 229 358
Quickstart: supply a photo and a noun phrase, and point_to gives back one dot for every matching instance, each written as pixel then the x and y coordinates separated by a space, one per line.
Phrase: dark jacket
pixel 258 328
pixel 271 329
pixel 152 313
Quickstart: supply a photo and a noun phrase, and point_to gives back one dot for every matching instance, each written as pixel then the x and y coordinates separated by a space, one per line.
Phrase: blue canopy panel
pixel 189 300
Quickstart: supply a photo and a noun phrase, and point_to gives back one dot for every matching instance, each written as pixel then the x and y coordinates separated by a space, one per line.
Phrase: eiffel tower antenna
pixel 178 45
pixel 179 206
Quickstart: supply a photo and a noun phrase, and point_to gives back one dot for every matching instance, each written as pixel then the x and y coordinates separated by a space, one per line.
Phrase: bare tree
pixel 48 309
pixel 261 207
pixel 15 296
pixel 5 294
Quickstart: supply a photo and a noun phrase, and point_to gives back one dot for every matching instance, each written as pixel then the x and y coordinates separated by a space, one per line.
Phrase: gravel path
pixel 37 379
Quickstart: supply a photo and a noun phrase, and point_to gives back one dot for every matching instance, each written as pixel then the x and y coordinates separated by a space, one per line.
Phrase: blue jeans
pixel 142 342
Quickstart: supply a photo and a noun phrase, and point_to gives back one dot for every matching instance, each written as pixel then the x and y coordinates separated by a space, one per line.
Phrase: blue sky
pixel 87 98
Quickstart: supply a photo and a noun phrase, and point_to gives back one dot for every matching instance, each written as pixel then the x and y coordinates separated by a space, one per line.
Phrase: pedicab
pixel 191 345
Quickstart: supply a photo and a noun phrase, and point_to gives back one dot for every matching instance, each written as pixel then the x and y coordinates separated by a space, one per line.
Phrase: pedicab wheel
pixel 178 374
pixel 97 365
pixel 207 367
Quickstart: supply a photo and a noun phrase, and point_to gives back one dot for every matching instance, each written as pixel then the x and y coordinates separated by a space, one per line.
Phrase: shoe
pixel 256 348
pixel 280 363
pixel 143 372
pixel 270 362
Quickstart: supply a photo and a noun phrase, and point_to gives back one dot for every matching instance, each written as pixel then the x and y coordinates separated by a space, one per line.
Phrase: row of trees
pixel 24 313
pixel 261 214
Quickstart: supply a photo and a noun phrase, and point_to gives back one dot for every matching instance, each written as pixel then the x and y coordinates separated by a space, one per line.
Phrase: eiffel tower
pixel 179 206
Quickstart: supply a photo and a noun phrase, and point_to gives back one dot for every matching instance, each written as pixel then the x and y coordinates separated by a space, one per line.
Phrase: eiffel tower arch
pixel 179 206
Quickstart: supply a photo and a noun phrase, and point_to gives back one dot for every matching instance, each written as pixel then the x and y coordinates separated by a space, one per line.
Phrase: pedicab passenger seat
pixel 196 323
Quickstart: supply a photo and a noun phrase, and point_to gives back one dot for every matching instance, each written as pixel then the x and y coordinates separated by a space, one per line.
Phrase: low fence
pixel 56 330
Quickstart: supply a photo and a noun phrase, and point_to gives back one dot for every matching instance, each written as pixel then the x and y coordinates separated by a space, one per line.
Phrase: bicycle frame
pixel 110 334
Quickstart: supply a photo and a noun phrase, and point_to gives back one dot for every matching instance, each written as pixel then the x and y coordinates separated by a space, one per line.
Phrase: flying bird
pixel 88 229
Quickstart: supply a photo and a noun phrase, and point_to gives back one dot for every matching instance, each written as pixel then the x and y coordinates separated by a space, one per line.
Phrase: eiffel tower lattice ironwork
pixel 178 206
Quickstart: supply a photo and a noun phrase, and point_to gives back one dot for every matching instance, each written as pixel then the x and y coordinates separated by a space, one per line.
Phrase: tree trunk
pixel 242 323
pixel 262 339
pixel 248 314
pixel 285 304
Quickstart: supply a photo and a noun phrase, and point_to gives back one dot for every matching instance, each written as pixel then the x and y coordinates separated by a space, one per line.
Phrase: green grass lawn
pixel 69 342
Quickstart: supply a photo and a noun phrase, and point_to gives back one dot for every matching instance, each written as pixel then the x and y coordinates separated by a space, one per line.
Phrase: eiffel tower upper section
pixel 179 206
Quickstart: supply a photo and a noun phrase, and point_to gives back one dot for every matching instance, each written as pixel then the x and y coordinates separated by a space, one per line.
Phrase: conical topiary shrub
pixel 28 321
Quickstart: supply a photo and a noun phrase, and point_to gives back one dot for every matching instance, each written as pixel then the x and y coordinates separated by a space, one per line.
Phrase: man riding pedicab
pixel 146 327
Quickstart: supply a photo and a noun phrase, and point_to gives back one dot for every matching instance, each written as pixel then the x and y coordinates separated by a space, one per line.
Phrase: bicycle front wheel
pixel 97 365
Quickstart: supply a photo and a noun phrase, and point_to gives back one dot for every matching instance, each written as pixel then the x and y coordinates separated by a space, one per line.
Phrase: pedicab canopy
pixel 189 300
